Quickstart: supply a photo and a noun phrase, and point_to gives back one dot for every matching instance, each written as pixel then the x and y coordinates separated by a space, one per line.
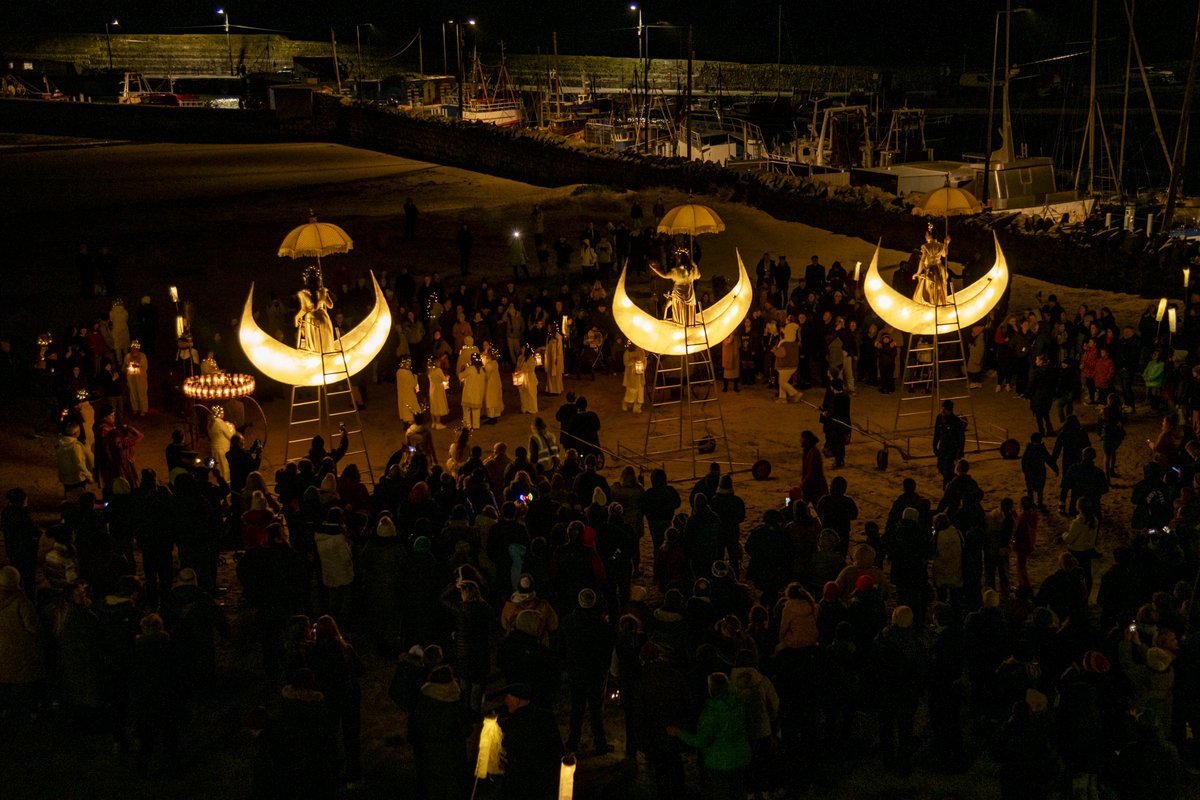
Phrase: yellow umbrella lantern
pixel 314 240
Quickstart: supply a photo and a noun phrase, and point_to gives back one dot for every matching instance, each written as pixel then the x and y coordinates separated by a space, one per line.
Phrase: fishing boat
pixel 492 103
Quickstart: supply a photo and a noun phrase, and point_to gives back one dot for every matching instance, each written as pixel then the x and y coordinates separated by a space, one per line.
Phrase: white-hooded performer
pixel 439 403
pixel 118 319
pixel 554 360
pixel 634 381
pixel 473 390
pixel 493 401
pixel 220 433
pixel 527 366
pixel 407 404
pixel 137 378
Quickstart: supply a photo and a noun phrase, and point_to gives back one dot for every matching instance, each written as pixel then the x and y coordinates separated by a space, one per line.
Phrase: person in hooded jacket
pixel 338 672
pixel 771 556
pixel 761 702
pixel 421 584
pixel 722 737
pixel 731 510
pixel 662 700
pixel 862 563
pixel 437 730
pixel 337 562
pixel 660 502
pixel 837 511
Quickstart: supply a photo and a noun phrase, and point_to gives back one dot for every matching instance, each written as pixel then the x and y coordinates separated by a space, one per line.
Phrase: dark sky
pixel 884 32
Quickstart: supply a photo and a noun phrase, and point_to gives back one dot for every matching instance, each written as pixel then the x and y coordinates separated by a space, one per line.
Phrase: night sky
pixel 883 32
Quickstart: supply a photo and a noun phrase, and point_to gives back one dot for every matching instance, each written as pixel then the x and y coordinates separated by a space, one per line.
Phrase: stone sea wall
pixel 1113 260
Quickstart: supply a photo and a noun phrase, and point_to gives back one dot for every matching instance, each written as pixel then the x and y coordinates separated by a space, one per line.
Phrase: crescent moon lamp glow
pixel 918 317
pixel 666 337
pixel 303 367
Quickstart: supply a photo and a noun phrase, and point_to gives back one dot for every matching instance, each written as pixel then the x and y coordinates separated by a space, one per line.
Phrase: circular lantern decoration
pixel 219 386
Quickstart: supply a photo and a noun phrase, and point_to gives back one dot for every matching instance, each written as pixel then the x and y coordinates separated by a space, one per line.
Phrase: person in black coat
pixel 947 663
pixel 588 639
pixel 338 671
pixel 472 620
pixel 154 683
pixel 898 666
pixel 381 565
pixel 770 550
pixel 532 746
pixel 437 730
pixel 276 583
pixel 1026 760
pixel 524 659
pixel 732 511
pixel 295 747
pixel 21 537
pixel 835 420
pixel 194 621
pixel 422 583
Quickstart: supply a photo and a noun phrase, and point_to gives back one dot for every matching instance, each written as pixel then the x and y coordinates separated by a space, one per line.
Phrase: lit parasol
pixel 947 201
pixel 315 239
pixel 692 220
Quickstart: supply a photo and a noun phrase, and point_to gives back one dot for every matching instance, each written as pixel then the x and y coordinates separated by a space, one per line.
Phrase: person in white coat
pixel 439 403
pixel 473 391
pixel 634 382
pixel 407 404
pixel 554 360
pixel 220 433
pixel 493 401
pixel 527 366
pixel 118 320
pixel 137 379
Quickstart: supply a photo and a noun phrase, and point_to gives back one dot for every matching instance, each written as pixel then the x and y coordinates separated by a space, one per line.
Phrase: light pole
pixel 228 42
pixel 458 54
pixel 358 44
pixel 641 60
pixel 987 154
pixel 108 38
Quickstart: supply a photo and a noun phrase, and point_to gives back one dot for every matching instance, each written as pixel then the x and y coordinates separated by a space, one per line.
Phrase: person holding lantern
pixel 137 379
pixel 406 391
pixel 525 378
pixel 493 390
pixel 634 359
pixel 439 403
pixel 554 360
pixel 473 390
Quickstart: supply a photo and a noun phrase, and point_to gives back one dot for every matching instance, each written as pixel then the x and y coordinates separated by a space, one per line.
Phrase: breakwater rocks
pixel 1084 256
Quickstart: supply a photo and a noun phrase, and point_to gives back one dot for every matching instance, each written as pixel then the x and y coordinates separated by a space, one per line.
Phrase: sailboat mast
pixel 1177 158
pixel 1091 125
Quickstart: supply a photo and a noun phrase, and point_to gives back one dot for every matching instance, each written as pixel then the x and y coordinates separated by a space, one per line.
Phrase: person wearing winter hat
pixel 328 490
pixel 588 640
pixel 526 598
pixel 1095 662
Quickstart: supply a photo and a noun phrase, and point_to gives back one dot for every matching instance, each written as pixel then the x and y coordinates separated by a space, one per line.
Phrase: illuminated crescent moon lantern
pixel 666 337
pixel 303 367
pixel 971 303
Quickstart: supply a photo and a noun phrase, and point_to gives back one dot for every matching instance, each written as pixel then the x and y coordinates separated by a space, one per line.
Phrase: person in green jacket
pixel 1155 375
pixel 722 739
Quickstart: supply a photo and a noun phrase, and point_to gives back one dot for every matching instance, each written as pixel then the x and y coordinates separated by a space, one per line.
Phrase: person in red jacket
pixel 1024 540
pixel 813 485
pixel 1105 373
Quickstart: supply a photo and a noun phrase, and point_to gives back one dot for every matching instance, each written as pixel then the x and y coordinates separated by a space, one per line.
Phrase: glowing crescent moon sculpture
pixel 303 367
pixel 918 317
pixel 666 337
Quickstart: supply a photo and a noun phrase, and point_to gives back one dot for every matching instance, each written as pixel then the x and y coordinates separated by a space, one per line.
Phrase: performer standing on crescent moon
pixel 932 273
pixel 313 318
pixel 683 293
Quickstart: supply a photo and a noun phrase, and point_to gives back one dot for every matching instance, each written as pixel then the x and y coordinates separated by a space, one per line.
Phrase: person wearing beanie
pixel 422 581
pixel 380 565
pixel 588 640
pixel 901 659
pixel 831 612
pixel 256 521
pixel 525 599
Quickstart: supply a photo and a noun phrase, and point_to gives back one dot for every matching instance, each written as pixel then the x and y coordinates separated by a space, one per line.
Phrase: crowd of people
pixel 780 644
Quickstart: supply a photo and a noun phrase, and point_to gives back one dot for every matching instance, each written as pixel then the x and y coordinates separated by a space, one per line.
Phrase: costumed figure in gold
pixel 932 275
pixel 683 292
pixel 313 318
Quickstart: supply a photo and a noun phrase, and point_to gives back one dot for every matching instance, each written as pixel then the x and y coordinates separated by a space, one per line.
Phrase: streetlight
pixel 458 55
pixel 358 42
pixel 228 42
pixel 108 38
pixel 641 59
pixel 987 155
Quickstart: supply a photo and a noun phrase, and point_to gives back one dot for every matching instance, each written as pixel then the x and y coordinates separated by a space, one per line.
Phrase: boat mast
pixel 1181 135
pixel 1125 112
pixel 1092 111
